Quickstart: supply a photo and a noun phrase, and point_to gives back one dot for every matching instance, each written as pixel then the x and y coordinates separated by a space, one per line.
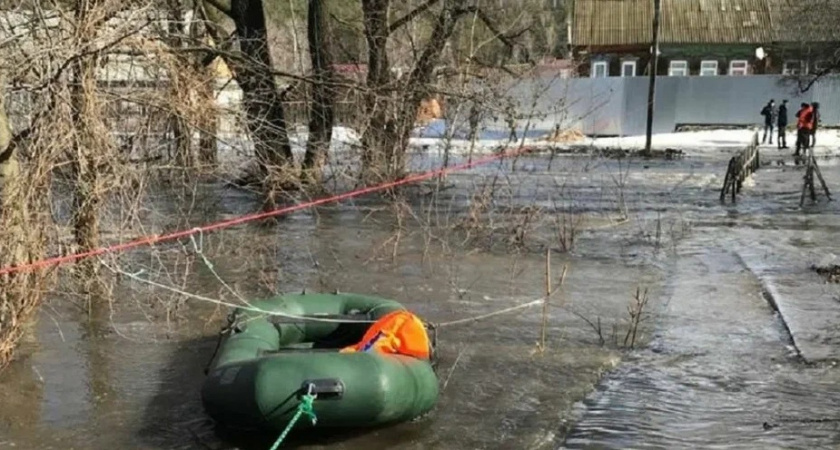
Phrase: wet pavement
pixel 721 372
pixel 745 349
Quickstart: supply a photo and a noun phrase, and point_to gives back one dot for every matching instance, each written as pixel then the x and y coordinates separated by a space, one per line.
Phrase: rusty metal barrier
pixel 740 167
pixel 811 169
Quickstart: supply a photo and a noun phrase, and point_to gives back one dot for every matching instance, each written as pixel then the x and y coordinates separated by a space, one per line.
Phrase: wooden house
pixel 612 38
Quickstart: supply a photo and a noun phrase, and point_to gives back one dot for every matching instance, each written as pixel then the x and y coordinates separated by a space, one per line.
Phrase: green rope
pixel 305 407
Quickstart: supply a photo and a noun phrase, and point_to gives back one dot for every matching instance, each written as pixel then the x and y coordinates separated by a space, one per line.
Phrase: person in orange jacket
pixel 804 125
pixel 815 107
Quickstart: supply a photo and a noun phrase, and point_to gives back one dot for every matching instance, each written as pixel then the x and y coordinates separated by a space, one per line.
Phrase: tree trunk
pixel 202 87
pixel 12 252
pixel 322 105
pixel 209 119
pixel 181 140
pixel 86 116
pixel 378 136
pixel 181 89
pixel 207 147
pixel 9 165
pixel 262 100
pixel 421 78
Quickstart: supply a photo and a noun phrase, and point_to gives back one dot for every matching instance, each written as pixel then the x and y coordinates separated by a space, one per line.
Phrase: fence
pixel 618 106
pixel 812 168
pixel 595 106
pixel 740 167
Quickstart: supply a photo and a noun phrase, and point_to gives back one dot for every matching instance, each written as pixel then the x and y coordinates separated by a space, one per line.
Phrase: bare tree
pixel 176 35
pixel 56 58
pixel 23 201
pixel 391 105
pixel 192 85
pixel 262 98
pixel 391 102
pixel 322 106
pixel 91 144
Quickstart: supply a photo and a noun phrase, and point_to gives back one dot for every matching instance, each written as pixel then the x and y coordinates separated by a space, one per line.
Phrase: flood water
pixel 716 361
pixel 722 370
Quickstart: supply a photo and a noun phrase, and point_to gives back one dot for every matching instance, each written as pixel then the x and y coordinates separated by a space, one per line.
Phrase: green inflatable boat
pixel 266 363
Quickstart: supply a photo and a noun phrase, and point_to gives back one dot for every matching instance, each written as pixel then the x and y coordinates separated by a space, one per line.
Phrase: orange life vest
pixel 399 332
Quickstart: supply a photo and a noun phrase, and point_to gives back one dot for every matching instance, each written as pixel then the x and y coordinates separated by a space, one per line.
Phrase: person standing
pixel 815 120
pixel 768 112
pixel 782 125
pixel 804 123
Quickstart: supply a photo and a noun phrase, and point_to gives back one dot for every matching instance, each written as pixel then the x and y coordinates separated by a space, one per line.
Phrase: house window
pixel 599 69
pixel 737 67
pixel 628 68
pixel 792 67
pixel 821 66
pixel 708 68
pixel 678 69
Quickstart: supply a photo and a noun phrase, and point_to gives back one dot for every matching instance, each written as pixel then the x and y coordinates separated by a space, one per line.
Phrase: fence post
pixel 812 168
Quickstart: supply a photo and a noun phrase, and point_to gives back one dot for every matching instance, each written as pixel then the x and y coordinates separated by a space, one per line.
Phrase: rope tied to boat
pixel 304 407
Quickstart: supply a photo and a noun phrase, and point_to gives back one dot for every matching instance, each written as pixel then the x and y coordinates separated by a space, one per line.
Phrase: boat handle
pixel 324 388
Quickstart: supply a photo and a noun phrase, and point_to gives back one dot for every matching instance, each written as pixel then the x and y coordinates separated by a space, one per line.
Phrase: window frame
pixel 595 65
pixel 800 69
pixel 734 72
pixel 818 65
pixel 716 68
pixel 672 69
pixel 628 63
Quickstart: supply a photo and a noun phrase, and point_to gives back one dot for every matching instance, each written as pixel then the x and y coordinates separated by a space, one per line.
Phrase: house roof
pixel 807 20
pixel 611 22
pixel 629 22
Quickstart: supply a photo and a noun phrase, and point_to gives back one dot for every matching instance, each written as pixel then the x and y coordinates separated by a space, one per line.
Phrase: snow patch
pixel 828 141
pixel 236 150
pixel 705 142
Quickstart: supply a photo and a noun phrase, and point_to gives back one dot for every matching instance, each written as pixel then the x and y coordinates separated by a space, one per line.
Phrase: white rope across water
pixel 198 248
pixel 508 310
pixel 249 307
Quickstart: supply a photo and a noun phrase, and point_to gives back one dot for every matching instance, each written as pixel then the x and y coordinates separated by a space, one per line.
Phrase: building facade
pixel 612 38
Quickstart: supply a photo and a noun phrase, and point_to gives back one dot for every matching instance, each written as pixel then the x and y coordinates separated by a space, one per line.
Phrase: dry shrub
pixel 475 218
pixel 636 315
pixel 65 149
pixel 24 219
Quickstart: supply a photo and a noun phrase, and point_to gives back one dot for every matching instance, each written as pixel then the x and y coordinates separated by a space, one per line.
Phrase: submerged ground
pixel 718 366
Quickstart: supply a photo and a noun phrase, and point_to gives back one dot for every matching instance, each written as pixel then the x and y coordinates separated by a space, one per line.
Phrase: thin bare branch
pixel 411 15
pixel 85 53
pixel 506 39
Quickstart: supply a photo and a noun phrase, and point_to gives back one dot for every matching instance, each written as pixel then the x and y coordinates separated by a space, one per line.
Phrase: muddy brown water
pixel 128 375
